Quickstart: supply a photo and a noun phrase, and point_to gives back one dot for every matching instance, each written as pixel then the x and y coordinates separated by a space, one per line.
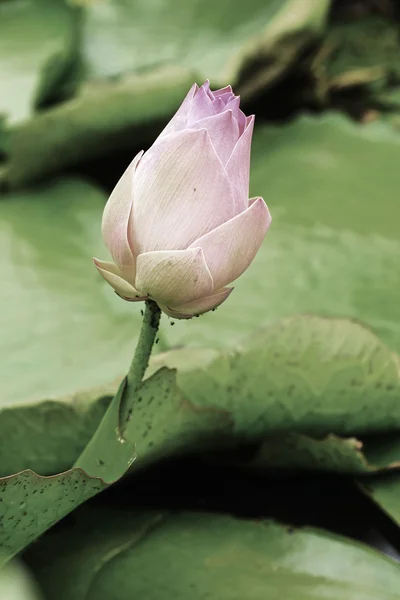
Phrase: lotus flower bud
pixel 179 224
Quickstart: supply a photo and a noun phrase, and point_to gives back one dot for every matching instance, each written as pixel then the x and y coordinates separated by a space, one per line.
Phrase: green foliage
pixel 122 38
pixel 385 492
pixel 38 45
pixel 16 584
pixel 327 376
pixel 30 504
pixel 364 53
pixel 250 386
pixel 117 555
pixel 207 38
pixel 333 247
pixel 94 124
pixel 162 423
pixel 318 375
pixel 48 236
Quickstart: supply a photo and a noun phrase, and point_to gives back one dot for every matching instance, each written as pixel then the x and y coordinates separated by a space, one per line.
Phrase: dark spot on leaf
pixel 355 383
pixel 290 530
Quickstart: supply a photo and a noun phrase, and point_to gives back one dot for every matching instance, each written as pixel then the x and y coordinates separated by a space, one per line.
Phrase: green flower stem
pixel 107 454
pixel 140 361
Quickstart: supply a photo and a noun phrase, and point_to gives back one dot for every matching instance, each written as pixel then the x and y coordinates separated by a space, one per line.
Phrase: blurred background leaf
pixel 333 247
pixel 116 555
pixel 16 583
pixel 199 39
pixel 206 37
pixel 39 47
pixel 52 293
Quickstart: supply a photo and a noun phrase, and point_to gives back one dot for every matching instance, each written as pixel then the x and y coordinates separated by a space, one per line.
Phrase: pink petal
pixel 178 121
pixel 113 276
pixel 238 167
pixel 230 248
pixel 206 88
pixel 200 107
pixel 174 277
pixel 198 307
pixel 234 105
pixel 116 217
pixel 223 91
pixel 224 133
pixel 223 100
pixel 181 191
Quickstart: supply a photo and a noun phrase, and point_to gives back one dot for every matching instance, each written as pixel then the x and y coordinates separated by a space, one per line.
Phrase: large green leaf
pixel 384 490
pixel 284 391
pixel 31 503
pixel 62 329
pixel 307 374
pixel 48 436
pixel 299 451
pixel 38 44
pixel 333 247
pixel 162 423
pixel 117 555
pixel 163 48
pixel 206 37
pixel 103 118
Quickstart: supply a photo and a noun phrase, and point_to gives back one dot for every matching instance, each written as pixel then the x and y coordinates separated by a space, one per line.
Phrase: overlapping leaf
pixel 160 59
pixel 118 555
pixel 162 423
pixel 210 39
pixel 103 118
pixel 385 489
pixel 38 45
pixel 61 328
pixel 285 391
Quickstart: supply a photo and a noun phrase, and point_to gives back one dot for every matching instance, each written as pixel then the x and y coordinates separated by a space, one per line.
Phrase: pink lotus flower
pixel 179 224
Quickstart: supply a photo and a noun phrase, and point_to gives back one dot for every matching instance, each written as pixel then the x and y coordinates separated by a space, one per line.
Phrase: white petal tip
pixel 111 274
